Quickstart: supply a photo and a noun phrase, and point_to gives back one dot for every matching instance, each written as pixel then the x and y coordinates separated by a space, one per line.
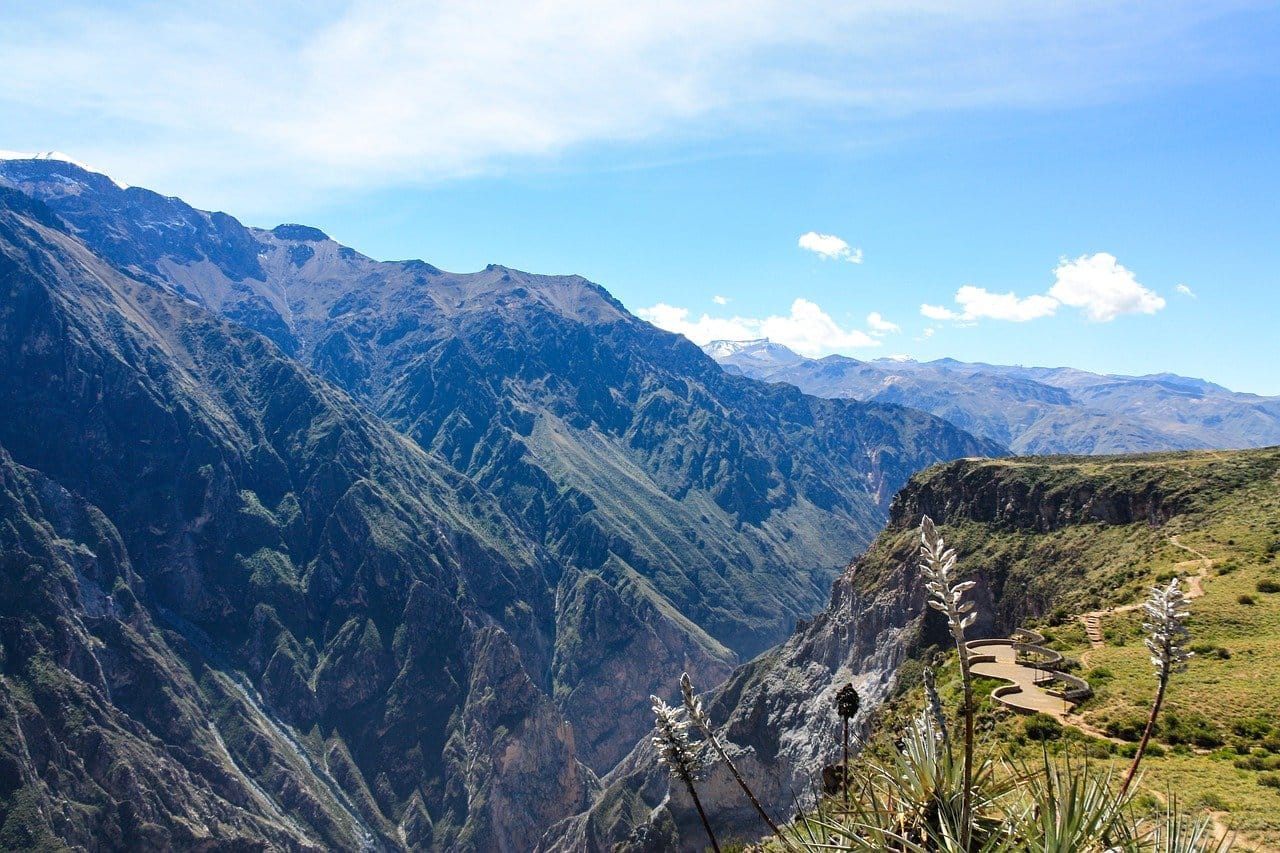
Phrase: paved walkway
pixel 1028 696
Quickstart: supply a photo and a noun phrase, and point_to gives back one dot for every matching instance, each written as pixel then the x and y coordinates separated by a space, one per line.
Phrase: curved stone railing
pixel 1044 658
pixel 1045 664
pixel 1077 689
pixel 1026 635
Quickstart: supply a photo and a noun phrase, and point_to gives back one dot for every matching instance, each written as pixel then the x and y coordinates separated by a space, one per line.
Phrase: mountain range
pixel 309 550
pixel 1029 409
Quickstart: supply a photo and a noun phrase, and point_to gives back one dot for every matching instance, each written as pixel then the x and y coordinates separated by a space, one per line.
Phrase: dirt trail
pixel 1195 588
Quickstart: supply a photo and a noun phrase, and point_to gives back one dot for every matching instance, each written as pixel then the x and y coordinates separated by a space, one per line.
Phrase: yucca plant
pixel 1174 832
pixel 912 800
pixel 1063 808
pixel 698 716
pixel 946 595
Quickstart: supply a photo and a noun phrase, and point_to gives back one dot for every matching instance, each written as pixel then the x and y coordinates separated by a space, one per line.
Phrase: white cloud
pixel 807 329
pixel 879 325
pixel 830 247
pixel 1096 284
pixel 1102 288
pixel 979 303
pixel 1185 291
pixel 937 312
pixel 720 300
pixel 929 331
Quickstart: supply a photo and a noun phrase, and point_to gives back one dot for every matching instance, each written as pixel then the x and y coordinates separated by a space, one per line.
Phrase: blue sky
pixel 1092 184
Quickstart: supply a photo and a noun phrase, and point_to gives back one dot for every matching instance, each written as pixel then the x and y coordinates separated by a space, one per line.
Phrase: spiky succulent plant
pixel 946 595
pixel 1167 635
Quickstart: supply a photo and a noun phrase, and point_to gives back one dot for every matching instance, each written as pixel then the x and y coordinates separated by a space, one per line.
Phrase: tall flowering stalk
pixel 847 702
pixel 678 753
pixel 946 595
pixel 693 707
pixel 1167 635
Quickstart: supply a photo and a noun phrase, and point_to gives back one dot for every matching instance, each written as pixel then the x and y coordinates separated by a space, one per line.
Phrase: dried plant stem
pixel 1146 734
pixel 1167 635
pixel 966 796
pixel 693 705
pixel 946 595
pixel 845 771
pixel 687 779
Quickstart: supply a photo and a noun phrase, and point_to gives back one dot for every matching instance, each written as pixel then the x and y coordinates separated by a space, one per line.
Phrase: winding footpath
pixel 1195 588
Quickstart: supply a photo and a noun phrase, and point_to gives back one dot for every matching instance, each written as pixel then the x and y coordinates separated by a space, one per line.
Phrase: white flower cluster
pixel 1166 628
pixel 675 749
pixel 946 593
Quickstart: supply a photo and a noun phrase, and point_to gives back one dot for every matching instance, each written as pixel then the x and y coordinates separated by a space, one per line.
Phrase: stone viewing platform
pixel 1037 683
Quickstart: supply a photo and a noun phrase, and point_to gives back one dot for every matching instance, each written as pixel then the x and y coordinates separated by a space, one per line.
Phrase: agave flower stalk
pixel 1167 635
pixel 678 753
pixel 847 703
pixel 946 595
pixel 698 715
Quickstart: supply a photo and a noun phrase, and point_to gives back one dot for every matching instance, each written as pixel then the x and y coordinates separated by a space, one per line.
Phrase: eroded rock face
pixel 777 716
pixel 717 509
pixel 302 584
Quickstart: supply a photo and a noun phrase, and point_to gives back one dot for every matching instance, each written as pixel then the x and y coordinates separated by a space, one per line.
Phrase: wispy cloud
pixel 807 329
pixel 829 247
pixel 1184 290
pixel 360 93
pixel 720 300
pixel 1098 285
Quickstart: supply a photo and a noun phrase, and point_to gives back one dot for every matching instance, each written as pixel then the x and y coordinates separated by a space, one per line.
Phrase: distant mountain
pixel 407 545
pixel 1030 409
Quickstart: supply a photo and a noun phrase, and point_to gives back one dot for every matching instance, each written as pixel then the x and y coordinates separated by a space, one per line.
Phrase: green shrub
pixel 1268 585
pixel 1253 728
pixel 1041 727
pixel 1271 780
pixel 1181 728
pixel 1246 599
pixel 1211 800
pixel 1126 728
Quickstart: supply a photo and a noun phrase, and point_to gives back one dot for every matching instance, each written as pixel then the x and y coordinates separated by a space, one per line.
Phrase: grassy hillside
pixel 1212 518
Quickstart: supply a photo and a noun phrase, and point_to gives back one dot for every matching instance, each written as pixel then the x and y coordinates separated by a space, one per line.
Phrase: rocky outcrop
pixel 419 543
pixel 1043 496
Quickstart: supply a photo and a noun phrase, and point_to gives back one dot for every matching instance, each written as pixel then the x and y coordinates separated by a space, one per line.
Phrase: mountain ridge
pixel 1032 409
pixel 362 482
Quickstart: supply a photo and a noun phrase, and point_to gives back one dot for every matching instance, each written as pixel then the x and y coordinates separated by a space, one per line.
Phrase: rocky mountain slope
pixel 1030 409
pixel 297 609
pixel 1038 534
pixel 405 545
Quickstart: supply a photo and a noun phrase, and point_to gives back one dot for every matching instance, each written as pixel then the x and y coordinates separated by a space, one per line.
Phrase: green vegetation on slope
pixel 1218 736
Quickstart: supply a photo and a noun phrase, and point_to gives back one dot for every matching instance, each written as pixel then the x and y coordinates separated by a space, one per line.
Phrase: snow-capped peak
pixel 58 155
pixel 724 349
